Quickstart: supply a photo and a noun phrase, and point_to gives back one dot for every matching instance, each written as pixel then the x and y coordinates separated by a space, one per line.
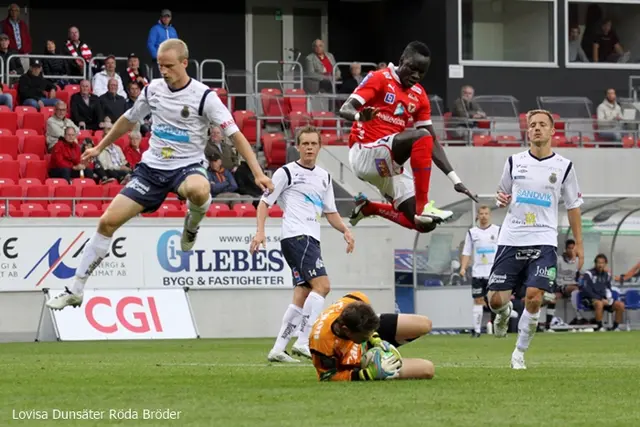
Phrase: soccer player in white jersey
pixel 481 242
pixel 305 192
pixel 183 109
pixel 532 184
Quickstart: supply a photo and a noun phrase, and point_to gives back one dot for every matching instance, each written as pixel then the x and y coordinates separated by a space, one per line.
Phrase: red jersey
pixel 397 105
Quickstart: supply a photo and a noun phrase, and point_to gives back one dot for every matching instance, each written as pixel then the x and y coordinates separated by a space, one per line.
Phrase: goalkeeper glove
pixel 381 368
pixel 376 341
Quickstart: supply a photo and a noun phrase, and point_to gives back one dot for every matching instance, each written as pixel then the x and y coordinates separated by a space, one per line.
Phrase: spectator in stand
pixel 218 145
pixel 65 158
pixel 466 112
pixel 132 151
pixel 34 90
pixel 319 69
pixel 382 66
pixel 18 32
pixel 607 47
pixel 79 49
pixel 351 83
pixel 610 117
pixel 597 293
pixel 55 66
pixel 113 105
pixel 6 99
pixel 15 68
pixel 86 109
pixel 161 31
pixel 576 54
pixel 134 92
pixel 134 73
pixel 223 184
pixel 101 80
pixel 114 163
pixel 57 123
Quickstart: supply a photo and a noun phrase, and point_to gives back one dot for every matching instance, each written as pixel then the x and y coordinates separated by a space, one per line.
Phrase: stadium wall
pixel 226 301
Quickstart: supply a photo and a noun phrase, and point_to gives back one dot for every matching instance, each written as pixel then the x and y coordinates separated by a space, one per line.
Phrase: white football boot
pixel 188 238
pixel 356 214
pixel 64 299
pixel 517 360
pixel 301 350
pixel 432 214
pixel 282 357
pixel 501 323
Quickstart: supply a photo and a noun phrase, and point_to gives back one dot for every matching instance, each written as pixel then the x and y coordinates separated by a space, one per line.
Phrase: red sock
pixel 387 211
pixel 421 167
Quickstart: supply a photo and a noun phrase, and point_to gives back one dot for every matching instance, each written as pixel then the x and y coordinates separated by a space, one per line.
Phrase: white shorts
pixel 372 162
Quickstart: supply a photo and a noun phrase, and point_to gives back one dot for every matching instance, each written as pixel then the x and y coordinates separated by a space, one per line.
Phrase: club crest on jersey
pixel 553 178
pixel 390 98
pixel 413 97
pixel 411 107
pixel 383 168
pixel 185 112
pixel 399 110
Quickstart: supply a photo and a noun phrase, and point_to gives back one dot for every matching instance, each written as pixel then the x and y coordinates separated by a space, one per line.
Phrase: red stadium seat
pixel 275 149
pixel 272 105
pixel 13 211
pixel 72 89
pixel 59 210
pixel 295 100
pixel 6 181
pixel 113 190
pixel 36 194
pixel 47 112
pixel 481 140
pixel 24 109
pixel 34 210
pixel 627 141
pixel 170 211
pixel 5 109
pixel 325 121
pixel 56 182
pixel 23 133
pixel 29 182
pixel 36 169
pixel 87 210
pixel 81 182
pixel 4 156
pixel 275 211
pixel 507 141
pixel 92 192
pixel 5 132
pixel 64 194
pixel 99 134
pixel 245 210
pixel 35 145
pixel 224 97
pixel 338 140
pixel 85 133
pixel 221 210
pixel 9 145
pixel 298 119
pixel 34 121
pixel 11 191
pixel 10 169
pixel 246 121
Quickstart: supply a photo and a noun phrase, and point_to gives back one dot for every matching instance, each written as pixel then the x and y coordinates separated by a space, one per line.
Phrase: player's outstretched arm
pixel 244 148
pixel 119 129
pixel 352 111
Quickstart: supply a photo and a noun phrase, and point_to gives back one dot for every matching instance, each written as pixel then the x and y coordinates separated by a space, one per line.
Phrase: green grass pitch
pixel 585 379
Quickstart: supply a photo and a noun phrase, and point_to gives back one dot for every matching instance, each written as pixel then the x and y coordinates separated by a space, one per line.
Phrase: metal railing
pixel 634 87
pixel 8 76
pixel 222 81
pixel 337 65
pixel 282 82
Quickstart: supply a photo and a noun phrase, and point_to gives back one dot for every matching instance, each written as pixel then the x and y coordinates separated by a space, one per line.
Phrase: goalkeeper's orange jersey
pixel 335 358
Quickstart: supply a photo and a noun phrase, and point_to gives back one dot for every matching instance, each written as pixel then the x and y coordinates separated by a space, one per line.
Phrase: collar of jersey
pixel 393 69
pixel 542 159
pixel 182 88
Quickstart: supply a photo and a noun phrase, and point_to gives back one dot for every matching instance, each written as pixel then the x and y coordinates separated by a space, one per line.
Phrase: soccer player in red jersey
pixel 380 144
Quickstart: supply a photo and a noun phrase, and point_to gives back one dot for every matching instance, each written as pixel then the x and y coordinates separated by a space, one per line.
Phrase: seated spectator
pixel 134 73
pixel 101 80
pixel 223 184
pixel 114 163
pixel 34 90
pixel 382 66
pixel 86 109
pixel 15 68
pixel 6 99
pixel 351 83
pixel 57 123
pixel 78 49
pixel 607 47
pixel 576 53
pixel 597 293
pixel 55 66
pixel 219 145
pixel 132 152
pixel 609 118
pixel 113 105
pixel 466 110
pixel 135 88
pixel 65 158
pixel 319 69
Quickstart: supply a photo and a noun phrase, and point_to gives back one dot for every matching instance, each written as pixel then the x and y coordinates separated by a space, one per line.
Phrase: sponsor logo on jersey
pixel 536 198
pixel 226 124
pixel 546 272
pixel 390 119
pixel 399 110
pixel 416 89
pixel 383 168
pixel 171 133
pixel 497 278
pixel 411 107
pixel 390 98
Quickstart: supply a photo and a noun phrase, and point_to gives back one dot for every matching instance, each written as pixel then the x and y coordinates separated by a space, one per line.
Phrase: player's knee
pixel 198 193
pixel 495 301
pixel 428 370
pixel 425 228
pixel 108 224
pixel 618 306
pixel 321 285
pixel 598 305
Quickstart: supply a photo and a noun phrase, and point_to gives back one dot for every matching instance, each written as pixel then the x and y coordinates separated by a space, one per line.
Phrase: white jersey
pixel 180 122
pixel 304 195
pixel 536 186
pixel 483 244
pixel 566 271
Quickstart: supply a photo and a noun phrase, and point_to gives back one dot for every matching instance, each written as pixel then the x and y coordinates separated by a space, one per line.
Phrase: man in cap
pixel 34 90
pixel 160 32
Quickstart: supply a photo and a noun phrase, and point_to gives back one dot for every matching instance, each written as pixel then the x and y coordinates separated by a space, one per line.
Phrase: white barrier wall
pixel 232 293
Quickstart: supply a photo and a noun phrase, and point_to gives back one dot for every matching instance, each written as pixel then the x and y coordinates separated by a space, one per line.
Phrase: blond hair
pixel 306 130
pixel 175 44
pixel 482 207
pixel 532 113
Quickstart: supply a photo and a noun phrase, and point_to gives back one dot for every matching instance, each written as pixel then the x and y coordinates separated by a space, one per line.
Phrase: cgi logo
pixel 118 311
pixel 173 260
pixel 55 257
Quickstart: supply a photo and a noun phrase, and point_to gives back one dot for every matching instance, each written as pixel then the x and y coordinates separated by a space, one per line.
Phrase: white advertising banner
pixel 127 315
pixel 33 258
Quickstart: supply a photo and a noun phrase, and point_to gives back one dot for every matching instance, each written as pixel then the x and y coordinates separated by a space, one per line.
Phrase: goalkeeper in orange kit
pixel 344 332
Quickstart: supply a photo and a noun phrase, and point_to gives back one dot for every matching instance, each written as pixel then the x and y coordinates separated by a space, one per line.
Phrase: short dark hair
pixel 359 317
pixel 600 256
pixel 569 242
pixel 214 157
pixel 135 83
pixel 417 47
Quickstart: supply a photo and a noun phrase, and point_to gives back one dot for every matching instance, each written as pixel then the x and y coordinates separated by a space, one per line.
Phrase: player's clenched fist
pixel 503 199
pixel 367 114
pixel 264 182
pixel 89 154
pixel 258 239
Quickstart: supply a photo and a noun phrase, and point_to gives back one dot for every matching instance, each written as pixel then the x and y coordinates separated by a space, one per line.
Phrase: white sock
pixel 310 312
pixel 505 310
pixel 477 318
pixel 290 322
pixel 197 213
pixel 94 252
pixel 526 329
pixel 574 303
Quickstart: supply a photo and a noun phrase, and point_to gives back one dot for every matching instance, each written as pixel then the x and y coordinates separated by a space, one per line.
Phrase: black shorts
pixel 150 187
pixel 479 287
pixel 303 255
pixel 388 328
pixel 531 266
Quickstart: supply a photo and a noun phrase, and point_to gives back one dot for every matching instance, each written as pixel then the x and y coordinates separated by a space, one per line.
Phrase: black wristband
pixel 355 375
